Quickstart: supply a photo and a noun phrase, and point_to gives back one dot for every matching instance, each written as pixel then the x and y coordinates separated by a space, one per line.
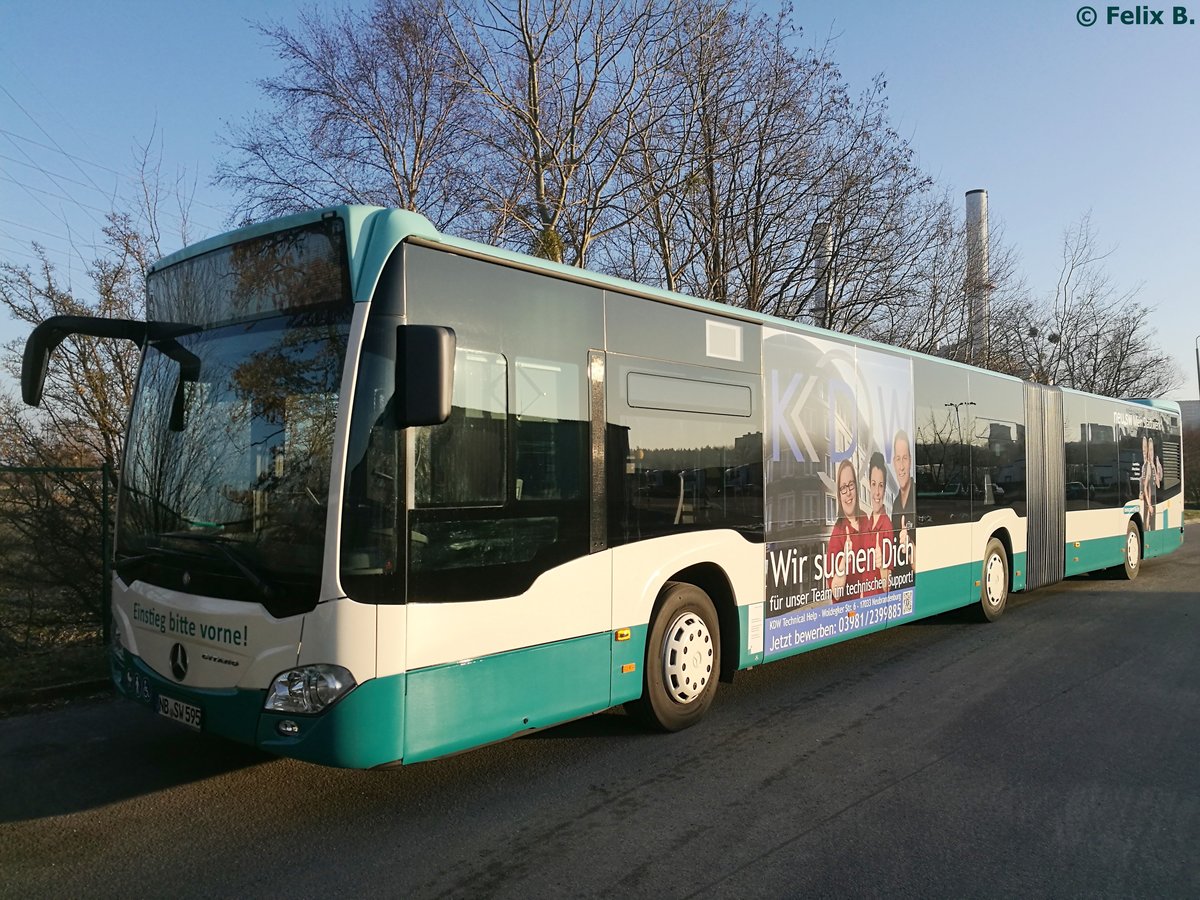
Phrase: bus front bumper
pixel 362 730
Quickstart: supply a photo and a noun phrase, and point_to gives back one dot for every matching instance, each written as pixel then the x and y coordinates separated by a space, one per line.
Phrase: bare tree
pixel 1103 341
pixel 365 111
pixel 886 221
pixel 690 146
pixel 693 147
pixel 728 158
pixel 933 314
pixel 90 382
pixel 88 390
pixel 560 83
pixel 760 143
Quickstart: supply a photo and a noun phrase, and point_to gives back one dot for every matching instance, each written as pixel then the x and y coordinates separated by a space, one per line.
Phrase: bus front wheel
pixel 683 659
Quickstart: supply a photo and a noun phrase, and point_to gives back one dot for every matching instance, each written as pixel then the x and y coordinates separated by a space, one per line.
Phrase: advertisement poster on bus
pixel 841 511
pixel 1150 462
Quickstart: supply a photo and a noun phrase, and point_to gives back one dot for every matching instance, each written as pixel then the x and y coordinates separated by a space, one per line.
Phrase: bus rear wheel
pixel 1133 551
pixel 993 591
pixel 683 659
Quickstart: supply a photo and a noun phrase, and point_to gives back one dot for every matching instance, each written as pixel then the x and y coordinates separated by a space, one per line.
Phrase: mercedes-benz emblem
pixel 187 578
pixel 178 662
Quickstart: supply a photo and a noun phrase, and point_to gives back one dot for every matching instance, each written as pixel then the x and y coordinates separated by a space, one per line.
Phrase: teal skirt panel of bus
pixel 460 705
pixel 1095 554
pixel 362 730
pixel 1163 541
pixel 425 713
pixel 628 657
pixel 939 590
pixel 1109 552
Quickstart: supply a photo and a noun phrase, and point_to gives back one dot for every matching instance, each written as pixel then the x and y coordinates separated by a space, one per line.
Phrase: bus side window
pixel 549 431
pixel 461 462
pixel 499 488
pixel 943 419
pixel 1104 488
pixel 685 453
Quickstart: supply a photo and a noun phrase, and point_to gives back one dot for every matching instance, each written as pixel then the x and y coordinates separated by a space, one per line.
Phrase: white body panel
pixel 940 546
pixel 1173 511
pixel 343 632
pixel 1001 519
pixel 229 644
pixel 641 569
pixel 391 654
pixel 1090 524
pixel 331 585
pixel 565 602
pixel 569 601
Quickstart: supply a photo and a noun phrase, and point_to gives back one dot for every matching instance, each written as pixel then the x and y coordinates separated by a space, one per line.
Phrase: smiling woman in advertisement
pixel 850 542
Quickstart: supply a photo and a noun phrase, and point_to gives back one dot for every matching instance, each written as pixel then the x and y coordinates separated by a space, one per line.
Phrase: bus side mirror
pixel 189 373
pixel 49 334
pixel 34 364
pixel 424 374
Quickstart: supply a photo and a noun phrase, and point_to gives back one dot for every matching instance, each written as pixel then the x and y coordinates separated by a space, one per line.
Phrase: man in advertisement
pixel 904 509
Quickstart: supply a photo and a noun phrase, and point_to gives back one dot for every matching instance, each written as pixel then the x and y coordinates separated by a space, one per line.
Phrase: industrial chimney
pixel 978 279
pixel 823 240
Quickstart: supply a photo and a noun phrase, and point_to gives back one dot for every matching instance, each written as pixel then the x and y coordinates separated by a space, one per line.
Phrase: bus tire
pixel 1133 551
pixel 993 591
pixel 683 659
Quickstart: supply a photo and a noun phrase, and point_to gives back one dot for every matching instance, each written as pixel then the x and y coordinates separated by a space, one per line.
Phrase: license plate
pixel 178 711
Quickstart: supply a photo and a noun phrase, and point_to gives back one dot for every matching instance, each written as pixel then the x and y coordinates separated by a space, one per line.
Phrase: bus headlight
pixel 308 689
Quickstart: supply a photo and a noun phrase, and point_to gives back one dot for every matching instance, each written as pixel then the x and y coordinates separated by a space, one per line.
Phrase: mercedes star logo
pixel 178 662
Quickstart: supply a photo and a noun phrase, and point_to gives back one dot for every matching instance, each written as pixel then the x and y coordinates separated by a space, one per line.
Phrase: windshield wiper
pixel 152 552
pixel 263 586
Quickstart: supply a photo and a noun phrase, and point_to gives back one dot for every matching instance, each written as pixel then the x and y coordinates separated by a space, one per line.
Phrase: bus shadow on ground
pixel 93 754
pixel 611 723
pixel 969 614
pixel 1117 574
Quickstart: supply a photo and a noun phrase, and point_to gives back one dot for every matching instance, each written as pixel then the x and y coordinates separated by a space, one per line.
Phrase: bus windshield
pixel 226 478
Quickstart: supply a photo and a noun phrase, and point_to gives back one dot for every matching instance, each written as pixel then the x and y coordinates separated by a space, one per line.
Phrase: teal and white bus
pixel 388 495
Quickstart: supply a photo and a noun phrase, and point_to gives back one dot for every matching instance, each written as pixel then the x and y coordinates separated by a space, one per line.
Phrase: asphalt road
pixel 1054 753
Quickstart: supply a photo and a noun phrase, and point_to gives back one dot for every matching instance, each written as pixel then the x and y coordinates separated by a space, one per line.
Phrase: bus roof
pixel 374 232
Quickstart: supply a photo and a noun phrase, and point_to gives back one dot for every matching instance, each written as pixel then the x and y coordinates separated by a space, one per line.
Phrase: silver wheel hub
pixel 995 577
pixel 1132 550
pixel 687 658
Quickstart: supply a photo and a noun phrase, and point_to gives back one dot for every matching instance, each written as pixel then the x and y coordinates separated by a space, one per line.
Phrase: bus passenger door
pixel 509 587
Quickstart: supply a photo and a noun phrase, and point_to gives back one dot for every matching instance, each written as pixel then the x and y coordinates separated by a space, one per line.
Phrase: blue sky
pixel 1052 118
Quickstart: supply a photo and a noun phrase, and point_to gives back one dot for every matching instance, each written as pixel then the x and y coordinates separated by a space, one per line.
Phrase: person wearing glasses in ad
pixel 849 540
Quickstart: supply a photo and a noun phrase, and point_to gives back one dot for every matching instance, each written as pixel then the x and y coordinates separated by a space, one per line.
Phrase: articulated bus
pixel 387 495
